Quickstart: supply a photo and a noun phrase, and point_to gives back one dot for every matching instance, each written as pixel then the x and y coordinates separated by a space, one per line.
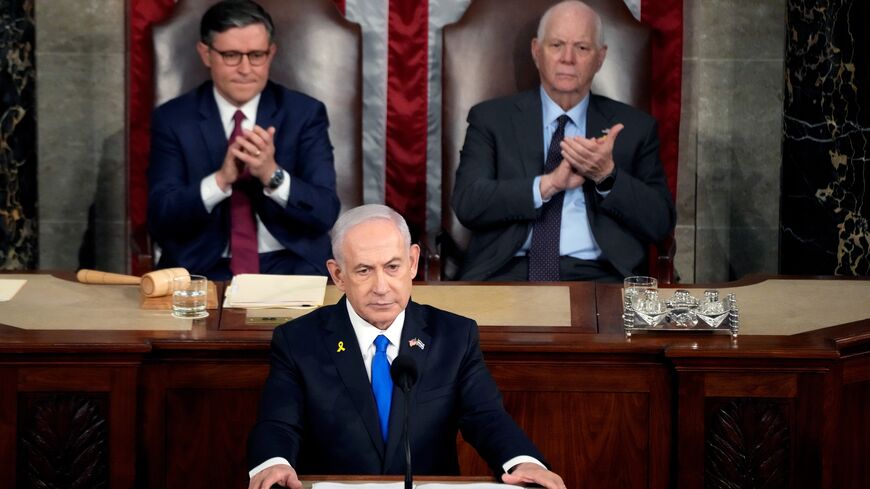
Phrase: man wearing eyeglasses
pixel 241 178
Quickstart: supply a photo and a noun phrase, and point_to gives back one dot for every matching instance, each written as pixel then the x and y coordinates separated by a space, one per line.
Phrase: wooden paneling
pixel 605 410
pixel 8 425
pixel 598 423
pixel 63 440
pixel 215 422
pixel 750 385
pixel 748 443
pixel 197 415
pixel 85 415
pixel 853 439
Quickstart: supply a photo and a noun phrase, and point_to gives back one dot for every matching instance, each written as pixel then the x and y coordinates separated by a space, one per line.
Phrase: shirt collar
pixel 366 333
pixel 226 110
pixel 552 111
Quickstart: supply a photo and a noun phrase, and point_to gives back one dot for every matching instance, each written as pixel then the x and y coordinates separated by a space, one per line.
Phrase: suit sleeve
pixel 640 198
pixel 313 200
pixel 278 431
pixel 491 187
pixel 175 206
pixel 483 420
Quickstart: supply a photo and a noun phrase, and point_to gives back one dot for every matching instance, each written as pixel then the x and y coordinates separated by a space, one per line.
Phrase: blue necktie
pixel 382 383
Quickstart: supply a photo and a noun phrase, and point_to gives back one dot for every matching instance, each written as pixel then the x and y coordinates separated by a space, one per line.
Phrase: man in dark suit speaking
pixel 559 183
pixel 241 178
pixel 328 405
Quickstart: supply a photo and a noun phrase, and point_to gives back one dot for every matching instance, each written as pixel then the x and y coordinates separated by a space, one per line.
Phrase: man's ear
pixel 415 258
pixel 202 49
pixel 535 48
pixel 602 55
pixel 336 273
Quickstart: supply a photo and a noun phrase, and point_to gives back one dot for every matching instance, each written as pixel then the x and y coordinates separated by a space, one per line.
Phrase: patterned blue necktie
pixel 382 383
pixel 544 251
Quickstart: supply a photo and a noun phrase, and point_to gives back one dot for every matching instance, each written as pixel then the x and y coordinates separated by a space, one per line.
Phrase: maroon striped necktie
pixel 243 226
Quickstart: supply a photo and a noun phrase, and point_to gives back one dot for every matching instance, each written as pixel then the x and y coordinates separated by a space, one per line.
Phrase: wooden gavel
pixel 152 284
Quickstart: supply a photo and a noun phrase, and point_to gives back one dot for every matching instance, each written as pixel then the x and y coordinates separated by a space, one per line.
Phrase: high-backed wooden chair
pixel 319 53
pixel 487 54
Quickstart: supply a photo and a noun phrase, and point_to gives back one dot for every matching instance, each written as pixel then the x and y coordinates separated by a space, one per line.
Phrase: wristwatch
pixel 606 183
pixel 277 179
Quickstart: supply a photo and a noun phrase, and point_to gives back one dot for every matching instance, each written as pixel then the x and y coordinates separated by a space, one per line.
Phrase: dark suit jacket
pixel 504 152
pixel 188 143
pixel 319 413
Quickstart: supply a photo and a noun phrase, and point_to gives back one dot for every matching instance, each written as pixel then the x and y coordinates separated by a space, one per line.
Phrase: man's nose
pixel 566 55
pixel 381 284
pixel 244 65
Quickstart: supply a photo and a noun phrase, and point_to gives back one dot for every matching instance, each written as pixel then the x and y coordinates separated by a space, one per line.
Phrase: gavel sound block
pixel 155 287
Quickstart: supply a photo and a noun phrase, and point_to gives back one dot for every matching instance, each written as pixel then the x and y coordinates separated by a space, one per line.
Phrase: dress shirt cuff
pixel 268 463
pixel 605 193
pixel 281 194
pixel 510 464
pixel 536 192
pixel 211 193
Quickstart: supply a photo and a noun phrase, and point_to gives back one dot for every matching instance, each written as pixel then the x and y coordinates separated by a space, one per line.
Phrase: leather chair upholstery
pixel 319 53
pixel 487 54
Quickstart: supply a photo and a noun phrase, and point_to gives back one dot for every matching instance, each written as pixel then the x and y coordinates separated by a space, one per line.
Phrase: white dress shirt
pixel 210 191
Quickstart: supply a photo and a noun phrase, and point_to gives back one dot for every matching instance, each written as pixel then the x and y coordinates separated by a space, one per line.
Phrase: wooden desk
pixel 172 409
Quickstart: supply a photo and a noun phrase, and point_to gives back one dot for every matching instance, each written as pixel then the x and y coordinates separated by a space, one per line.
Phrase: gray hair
pixel 361 214
pixel 599 27
pixel 228 14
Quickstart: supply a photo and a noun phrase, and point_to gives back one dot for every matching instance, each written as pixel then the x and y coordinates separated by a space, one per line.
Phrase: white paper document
pixel 275 291
pixel 10 287
pixel 421 485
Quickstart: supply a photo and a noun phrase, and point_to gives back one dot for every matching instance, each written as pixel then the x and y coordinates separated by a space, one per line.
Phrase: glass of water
pixel 633 288
pixel 189 297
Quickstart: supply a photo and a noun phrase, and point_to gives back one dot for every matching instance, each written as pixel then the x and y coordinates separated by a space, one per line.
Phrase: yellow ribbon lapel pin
pixel 340 347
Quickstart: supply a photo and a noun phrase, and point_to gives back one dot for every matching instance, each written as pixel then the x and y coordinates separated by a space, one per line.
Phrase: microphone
pixel 404 374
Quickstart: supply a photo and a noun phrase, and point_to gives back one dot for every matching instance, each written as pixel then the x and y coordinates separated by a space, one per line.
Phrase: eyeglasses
pixel 233 58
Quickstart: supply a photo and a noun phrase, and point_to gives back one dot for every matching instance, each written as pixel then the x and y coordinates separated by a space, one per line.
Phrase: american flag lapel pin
pixel 416 342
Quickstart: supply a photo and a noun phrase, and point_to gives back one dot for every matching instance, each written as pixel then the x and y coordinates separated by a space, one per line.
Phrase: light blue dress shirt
pixel 575 238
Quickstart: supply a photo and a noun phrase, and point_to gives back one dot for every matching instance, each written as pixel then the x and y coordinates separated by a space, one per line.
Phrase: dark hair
pixel 227 14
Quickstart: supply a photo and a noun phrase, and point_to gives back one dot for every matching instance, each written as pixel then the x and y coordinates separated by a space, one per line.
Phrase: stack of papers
pixel 256 291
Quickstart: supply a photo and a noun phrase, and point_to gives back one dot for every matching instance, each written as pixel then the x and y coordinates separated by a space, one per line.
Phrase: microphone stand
pixel 408 475
pixel 404 373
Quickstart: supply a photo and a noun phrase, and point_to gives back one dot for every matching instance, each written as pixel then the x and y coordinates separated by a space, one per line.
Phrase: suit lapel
pixel 414 331
pixel 268 107
pixel 529 133
pixel 352 370
pixel 211 127
pixel 596 122
pixel 596 119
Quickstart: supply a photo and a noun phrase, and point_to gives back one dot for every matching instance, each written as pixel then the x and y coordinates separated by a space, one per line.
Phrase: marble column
pixel 730 141
pixel 18 237
pixel 826 140
pixel 80 101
